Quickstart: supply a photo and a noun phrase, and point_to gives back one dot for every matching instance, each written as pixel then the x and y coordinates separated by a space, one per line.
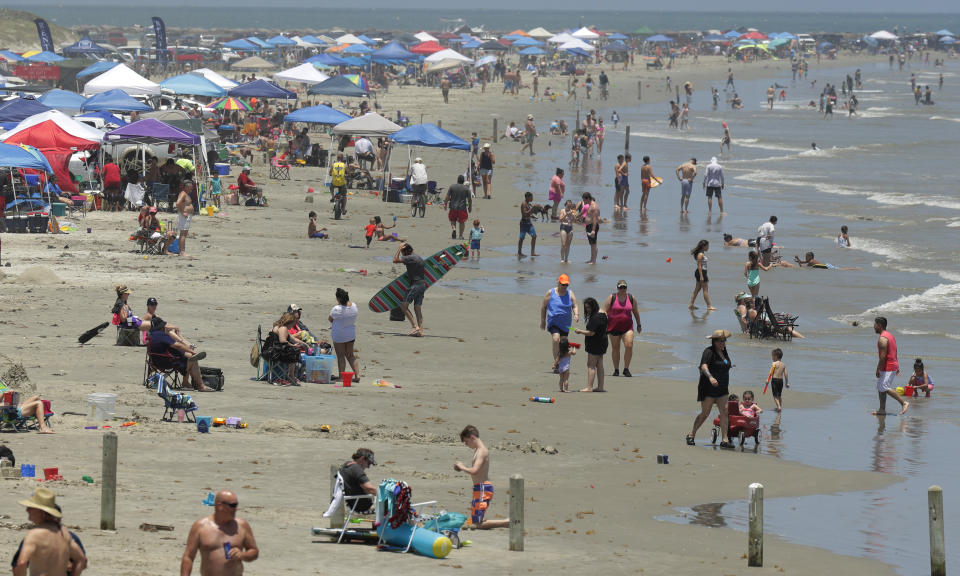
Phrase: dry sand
pixel 591 505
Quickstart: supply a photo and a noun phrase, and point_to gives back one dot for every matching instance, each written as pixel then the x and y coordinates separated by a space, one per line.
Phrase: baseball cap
pixel 418 159
pixel 563 279
pixel 529 116
pixel 294 308
pixel 151 301
pixel 486 144
pixel 621 284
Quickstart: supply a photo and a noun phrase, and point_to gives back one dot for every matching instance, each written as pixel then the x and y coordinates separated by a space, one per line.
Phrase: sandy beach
pixel 593 485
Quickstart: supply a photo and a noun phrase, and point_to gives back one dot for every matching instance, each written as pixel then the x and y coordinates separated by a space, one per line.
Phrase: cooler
pixel 319 368
pixel 58 209
pixel 222 169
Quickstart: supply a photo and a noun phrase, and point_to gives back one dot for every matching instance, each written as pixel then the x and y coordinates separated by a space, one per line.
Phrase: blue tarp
pixel 317 115
pixel 337 86
pixel 659 38
pixel 23 157
pixel 115 100
pixel 105 116
pixel 20 109
pixel 62 99
pixel 96 68
pixel 281 40
pixel 326 59
pixel 48 57
pixel 83 47
pixel 429 135
pixel 192 84
pixel 241 44
pixel 262 89
pixel 393 51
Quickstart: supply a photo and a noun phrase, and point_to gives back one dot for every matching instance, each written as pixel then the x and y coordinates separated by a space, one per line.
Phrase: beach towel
pixel 337 500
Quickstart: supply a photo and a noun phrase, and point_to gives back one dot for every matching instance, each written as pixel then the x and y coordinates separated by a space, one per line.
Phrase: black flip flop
pixel 691 441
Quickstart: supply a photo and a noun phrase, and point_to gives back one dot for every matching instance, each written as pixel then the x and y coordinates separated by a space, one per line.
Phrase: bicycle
pixel 418 203
pixel 339 204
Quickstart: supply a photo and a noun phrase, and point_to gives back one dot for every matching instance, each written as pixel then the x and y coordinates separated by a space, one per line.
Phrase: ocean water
pixel 889 176
pixel 305 16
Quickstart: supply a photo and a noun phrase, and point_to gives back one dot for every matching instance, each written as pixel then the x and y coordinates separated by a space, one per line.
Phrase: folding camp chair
pixel 78 205
pixel 174 402
pixel 151 366
pixel 387 503
pixel 278 169
pixel 266 370
pixel 10 418
pixel 348 505
pixel 433 191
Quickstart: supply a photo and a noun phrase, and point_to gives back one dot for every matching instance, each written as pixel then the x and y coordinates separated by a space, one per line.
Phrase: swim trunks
pixel 415 294
pixel 474 244
pixel 777 384
pixel 183 222
pixel 885 381
pixel 526 227
pixel 457 216
pixel 482 496
pixel 624 181
pixel 714 190
pixel 686 187
pixel 595 230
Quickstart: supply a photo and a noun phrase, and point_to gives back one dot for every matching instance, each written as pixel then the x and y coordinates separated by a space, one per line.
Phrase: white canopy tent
pixel 349 39
pixel 576 43
pixel 447 54
pixel 123 78
pixel 424 37
pixel 216 78
pixel 561 38
pixel 586 34
pixel 440 65
pixel 370 124
pixel 883 35
pixel 303 74
pixel 540 33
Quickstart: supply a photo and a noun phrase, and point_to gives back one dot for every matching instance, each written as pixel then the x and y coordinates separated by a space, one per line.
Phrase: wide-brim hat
pixel 719 334
pixel 122 289
pixel 43 499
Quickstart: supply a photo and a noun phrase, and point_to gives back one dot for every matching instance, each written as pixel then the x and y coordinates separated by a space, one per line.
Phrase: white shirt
pixel 766 235
pixel 363 146
pixel 344 326
pixel 419 172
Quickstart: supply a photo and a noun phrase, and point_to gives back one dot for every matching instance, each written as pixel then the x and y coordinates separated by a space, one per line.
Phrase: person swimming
pixel 810 262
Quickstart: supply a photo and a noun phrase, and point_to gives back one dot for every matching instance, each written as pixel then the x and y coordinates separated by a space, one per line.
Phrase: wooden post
pixel 495 132
pixel 938 553
pixel 440 124
pixel 577 126
pixel 108 483
pixel 626 142
pixel 639 89
pixel 678 94
pixel 516 513
pixel 755 531
pixel 336 521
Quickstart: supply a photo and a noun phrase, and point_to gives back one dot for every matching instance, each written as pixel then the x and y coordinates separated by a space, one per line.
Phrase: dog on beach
pixel 541 211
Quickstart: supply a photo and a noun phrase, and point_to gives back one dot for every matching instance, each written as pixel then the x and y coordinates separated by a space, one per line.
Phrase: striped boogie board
pixel 392 295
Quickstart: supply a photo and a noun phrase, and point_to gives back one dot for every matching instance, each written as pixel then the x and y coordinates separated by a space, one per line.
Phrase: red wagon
pixel 740 426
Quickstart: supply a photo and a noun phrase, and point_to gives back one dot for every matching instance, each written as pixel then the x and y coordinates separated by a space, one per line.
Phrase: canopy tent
pixel 948 40
pixel 616 47
pixel 355 61
pixel 54 129
pixel 471 44
pixel 429 135
pixel 10 56
pixel 151 131
pixel 96 68
pixel 424 37
pixel 883 35
pixel 447 54
pixel 428 47
pixel 753 36
pixel 576 44
pixel 192 84
pixel 13 156
pixel 578 52
pixel 20 109
pixel 533 51
pixel 241 44
pixel 370 124
pixel 366 39
pixel 262 89
pixel 317 115
pixel 441 65
pixel 62 99
pixel 115 101
pixel 305 73
pixel 493 46
pixel 659 38
pixel 84 47
pixel 337 86
pixel 393 51
pixel 262 44
pixel 313 40
pixel 786 35
pixel 945 32
pixel 560 38
pixel 48 57
pixel 348 39
pixel 731 34
pixel 357 49
pixel 216 78
pixel 616 36
pixel 106 116
pixel 715 38
pixel 123 78
pixel 585 34
pixel 778 42
pixel 540 33
pixel 526 41
pixel 252 63
pixel 327 60
pixel 281 40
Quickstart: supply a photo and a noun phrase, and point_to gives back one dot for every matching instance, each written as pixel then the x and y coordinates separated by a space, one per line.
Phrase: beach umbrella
pixel 945 32
pixel 358 81
pixel 731 34
pixel 659 38
pixel 883 35
pixel 948 40
pixel 753 36
pixel 229 103
pixel 10 56
pixel 23 156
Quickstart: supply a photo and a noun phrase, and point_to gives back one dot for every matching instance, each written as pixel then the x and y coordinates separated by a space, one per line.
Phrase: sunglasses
pixel 230 504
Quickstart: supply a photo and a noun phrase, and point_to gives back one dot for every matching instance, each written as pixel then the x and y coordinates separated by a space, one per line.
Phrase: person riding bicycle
pixel 338 181
pixel 418 180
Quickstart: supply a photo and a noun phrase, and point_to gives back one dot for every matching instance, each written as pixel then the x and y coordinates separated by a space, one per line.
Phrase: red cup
pixel 346 378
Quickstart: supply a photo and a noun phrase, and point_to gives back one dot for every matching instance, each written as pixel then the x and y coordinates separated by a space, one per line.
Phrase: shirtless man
pixel 625 180
pixel 225 542
pixel 685 174
pixel 591 221
pixel 617 191
pixel 184 216
pixel 646 178
pixel 479 472
pixel 771 95
pixel 48 548
pixel 526 226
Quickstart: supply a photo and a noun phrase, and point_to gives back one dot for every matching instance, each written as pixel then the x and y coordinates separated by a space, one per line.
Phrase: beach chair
pixel 12 421
pixel 348 504
pixel 174 402
pixel 77 206
pixel 394 507
pixel 151 367
pixel 161 195
pixel 266 370
pixel 433 192
pixel 279 169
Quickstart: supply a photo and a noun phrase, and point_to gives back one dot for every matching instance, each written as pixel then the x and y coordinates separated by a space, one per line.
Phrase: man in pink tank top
pixel 888 367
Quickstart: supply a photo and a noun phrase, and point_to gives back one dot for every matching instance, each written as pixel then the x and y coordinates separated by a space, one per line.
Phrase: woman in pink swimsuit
pixel 621 310
pixel 557 188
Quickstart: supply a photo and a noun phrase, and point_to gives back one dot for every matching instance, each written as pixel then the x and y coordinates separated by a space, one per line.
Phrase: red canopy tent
pixel 426 48
pixel 57 136
pixel 753 36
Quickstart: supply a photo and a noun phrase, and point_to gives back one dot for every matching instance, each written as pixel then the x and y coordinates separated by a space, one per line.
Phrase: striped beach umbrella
pixel 230 103
pixel 358 80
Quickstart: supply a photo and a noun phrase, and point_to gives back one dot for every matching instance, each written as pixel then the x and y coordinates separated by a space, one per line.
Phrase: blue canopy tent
pixel 241 44
pixel 357 49
pixel 310 39
pixel 317 115
pixel 945 32
pixel 10 56
pixel 659 38
pixel 326 59
pixel 787 35
pixel 19 109
pixel 429 135
pixel 261 89
pixel 281 40
pixel 262 44
pixel 616 47
pixel 96 68
pixel 355 61
pixel 192 84
pixel 524 41
pixel 715 38
pixel 578 52
pixel 85 47
pixel 533 51
pixel 472 44
pixel 616 36
pixel 366 39
pixel 393 51
pixel 62 99
pixel 105 116
pixel 115 100
pixel 48 57
pixel 12 156
pixel 337 86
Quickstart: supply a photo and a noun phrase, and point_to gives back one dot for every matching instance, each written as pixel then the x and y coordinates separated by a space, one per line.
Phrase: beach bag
pixel 212 378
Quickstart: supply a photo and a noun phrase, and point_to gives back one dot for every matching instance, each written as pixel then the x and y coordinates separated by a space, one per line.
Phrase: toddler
pixel 748 407
pixel 920 380
pixel 562 364
pixel 312 230
pixel 369 230
pixel 778 376
pixel 476 234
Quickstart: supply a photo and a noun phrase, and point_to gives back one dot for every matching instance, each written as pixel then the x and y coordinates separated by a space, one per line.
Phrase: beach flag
pixel 46 39
pixel 160 31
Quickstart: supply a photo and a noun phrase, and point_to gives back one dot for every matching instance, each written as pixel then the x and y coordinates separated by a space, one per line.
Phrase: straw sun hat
pixel 719 334
pixel 43 499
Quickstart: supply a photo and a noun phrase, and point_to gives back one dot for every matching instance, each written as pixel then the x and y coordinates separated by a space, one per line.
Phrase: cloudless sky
pixel 574 6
